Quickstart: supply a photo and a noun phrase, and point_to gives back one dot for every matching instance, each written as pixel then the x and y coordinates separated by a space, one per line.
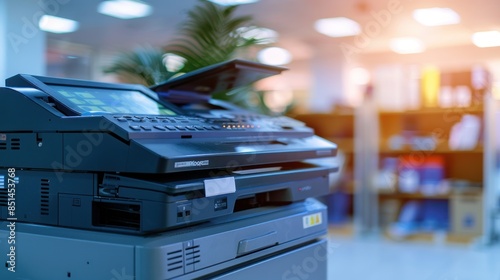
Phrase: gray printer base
pixel 306 262
pixel 281 239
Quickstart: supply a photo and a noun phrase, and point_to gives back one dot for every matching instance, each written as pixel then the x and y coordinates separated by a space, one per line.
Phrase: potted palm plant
pixel 210 34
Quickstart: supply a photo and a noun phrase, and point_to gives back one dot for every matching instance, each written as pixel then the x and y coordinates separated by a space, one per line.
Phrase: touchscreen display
pixel 101 100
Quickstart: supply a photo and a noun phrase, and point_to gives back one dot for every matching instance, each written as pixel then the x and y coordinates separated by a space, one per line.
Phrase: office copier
pixel 119 181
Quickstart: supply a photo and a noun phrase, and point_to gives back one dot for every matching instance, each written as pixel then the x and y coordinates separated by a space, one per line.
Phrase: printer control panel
pixel 140 113
pixel 185 123
pixel 163 123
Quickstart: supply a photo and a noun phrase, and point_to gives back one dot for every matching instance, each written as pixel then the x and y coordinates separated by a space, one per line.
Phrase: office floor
pixel 380 259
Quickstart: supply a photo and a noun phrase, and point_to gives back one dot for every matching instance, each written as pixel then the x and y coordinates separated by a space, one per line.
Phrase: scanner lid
pixel 199 85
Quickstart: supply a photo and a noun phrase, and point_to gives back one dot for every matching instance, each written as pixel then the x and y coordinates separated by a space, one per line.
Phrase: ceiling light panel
pixel 436 16
pixel 261 34
pixel 407 45
pixel 57 24
pixel 274 56
pixel 486 39
pixel 232 2
pixel 337 27
pixel 124 9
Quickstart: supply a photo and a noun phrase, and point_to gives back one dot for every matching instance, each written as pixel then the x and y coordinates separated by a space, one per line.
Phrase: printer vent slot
pixel 120 215
pixel 44 196
pixel 3 145
pixel 15 144
pixel 175 260
pixel 3 196
pixel 3 190
pixel 192 255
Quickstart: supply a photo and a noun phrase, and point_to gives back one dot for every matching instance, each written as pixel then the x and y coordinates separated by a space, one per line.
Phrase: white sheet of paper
pixel 219 186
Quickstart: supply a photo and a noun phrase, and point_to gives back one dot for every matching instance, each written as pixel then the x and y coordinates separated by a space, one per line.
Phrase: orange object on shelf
pixel 431 80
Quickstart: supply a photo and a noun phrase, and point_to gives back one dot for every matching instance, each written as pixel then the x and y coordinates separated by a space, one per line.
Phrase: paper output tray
pixel 200 84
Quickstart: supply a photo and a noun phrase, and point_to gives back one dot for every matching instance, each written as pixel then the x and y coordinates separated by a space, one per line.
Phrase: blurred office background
pixel 409 90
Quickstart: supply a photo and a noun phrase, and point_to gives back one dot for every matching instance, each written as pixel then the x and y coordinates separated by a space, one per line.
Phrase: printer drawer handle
pixel 246 246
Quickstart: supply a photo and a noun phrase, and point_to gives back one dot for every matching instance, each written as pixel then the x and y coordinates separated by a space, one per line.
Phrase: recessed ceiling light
pixel 407 45
pixel 57 24
pixel 124 9
pixel 274 56
pixel 261 34
pixel 232 2
pixel 436 16
pixel 337 27
pixel 173 62
pixel 486 39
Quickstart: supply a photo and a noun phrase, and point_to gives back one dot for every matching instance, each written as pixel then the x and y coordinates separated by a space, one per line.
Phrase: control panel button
pixel 160 127
pixel 145 127
pixel 120 119
pixel 135 127
pixel 170 127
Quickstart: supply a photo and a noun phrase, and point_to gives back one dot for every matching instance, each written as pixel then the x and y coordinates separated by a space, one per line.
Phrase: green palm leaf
pixel 143 65
pixel 209 36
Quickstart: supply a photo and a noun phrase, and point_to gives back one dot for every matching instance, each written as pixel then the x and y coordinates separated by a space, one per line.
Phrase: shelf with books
pixel 425 152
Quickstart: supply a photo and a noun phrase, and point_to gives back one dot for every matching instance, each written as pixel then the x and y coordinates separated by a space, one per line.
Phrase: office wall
pixel 22 49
